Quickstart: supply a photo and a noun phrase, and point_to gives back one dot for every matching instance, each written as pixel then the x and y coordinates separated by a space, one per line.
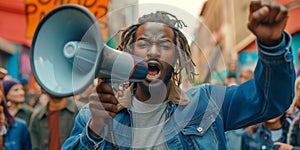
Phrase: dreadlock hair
pixel 183 52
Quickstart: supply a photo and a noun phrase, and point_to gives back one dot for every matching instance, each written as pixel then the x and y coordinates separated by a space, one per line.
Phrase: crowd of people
pixel 33 119
pixel 277 133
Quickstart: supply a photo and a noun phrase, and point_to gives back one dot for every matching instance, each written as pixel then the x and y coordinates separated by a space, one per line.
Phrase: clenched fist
pixel 267 21
pixel 103 106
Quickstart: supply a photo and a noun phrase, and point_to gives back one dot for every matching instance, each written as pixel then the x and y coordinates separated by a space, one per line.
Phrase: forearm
pixel 81 137
pixel 84 140
pixel 275 79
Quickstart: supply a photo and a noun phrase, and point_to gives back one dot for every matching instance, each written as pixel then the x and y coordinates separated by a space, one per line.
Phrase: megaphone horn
pixel 68 53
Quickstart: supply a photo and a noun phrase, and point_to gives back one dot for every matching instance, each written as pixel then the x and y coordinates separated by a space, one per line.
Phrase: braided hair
pixel 183 51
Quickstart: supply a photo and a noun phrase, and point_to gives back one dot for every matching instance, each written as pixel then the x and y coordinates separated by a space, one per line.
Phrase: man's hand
pixel 3 73
pixel 103 105
pixel 267 21
pixel 2 117
pixel 283 146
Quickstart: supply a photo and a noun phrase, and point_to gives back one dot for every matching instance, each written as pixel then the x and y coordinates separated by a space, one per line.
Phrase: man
pixel 245 75
pixel 51 125
pixel 155 114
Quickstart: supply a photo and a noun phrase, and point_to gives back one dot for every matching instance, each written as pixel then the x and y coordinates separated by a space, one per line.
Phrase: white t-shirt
pixel 276 134
pixel 148 122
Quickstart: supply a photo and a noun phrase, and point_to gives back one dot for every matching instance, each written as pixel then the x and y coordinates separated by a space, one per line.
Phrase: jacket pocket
pixel 199 137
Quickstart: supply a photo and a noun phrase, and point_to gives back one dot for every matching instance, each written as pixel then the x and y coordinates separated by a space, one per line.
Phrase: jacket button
pixel 288 56
pixel 200 129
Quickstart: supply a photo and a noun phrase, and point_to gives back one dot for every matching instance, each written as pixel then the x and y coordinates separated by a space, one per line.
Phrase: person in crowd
pixel 232 68
pixel 294 110
pixel 15 96
pixel 230 80
pixel 156 114
pixel 265 134
pixel 51 125
pixel 245 75
pixel 13 131
pixel 42 100
pixel 14 134
pixel 293 142
pixel 31 96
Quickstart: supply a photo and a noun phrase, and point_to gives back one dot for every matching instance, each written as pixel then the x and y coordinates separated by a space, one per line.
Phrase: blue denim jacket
pixel 17 136
pixel 201 123
pixel 262 139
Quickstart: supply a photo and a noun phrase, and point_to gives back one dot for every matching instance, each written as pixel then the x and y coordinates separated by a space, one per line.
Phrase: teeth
pixel 152 73
pixel 152 76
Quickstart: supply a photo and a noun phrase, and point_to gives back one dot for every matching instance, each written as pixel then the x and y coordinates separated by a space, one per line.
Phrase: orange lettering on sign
pixel 37 9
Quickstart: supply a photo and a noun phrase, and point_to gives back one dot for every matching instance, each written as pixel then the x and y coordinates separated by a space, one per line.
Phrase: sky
pixel 186 10
pixel 192 6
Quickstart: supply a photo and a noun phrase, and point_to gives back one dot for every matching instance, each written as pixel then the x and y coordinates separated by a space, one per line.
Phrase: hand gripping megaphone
pixel 68 53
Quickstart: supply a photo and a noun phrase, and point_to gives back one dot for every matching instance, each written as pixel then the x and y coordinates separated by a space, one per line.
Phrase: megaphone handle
pixel 109 122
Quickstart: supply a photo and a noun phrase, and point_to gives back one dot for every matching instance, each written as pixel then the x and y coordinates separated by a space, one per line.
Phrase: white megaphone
pixel 68 53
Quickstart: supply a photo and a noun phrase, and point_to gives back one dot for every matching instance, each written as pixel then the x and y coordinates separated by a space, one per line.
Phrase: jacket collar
pixel 69 106
pixel 176 95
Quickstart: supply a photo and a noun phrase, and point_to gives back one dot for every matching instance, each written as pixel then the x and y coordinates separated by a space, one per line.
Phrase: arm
pixel 80 137
pixel 270 93
pixel 90 121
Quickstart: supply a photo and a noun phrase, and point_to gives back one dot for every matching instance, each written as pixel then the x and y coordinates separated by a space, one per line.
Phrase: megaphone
pixel 68 53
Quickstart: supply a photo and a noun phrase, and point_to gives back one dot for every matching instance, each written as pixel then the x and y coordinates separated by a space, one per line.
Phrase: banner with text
pixel 37 9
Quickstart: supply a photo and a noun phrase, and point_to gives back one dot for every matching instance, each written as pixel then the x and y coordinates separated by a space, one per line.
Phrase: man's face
pixel 155 43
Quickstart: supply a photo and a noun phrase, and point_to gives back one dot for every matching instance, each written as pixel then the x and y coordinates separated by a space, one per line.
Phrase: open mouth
pixel 153 70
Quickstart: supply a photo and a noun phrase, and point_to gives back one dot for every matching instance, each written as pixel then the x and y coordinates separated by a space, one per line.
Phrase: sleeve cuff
pixel 90 139
pixel 278 49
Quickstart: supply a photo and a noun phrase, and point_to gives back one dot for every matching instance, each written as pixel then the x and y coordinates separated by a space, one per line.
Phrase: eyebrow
pixel 144 39
pixel 160 41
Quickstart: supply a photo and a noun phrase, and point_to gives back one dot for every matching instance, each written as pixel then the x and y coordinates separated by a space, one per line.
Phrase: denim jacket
pixel 200 123
pixel 17 136
pixel 39 127
pixel 262 139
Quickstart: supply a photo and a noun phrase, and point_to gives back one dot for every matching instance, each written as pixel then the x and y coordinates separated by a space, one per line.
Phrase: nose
pixel 153 52
pixel 21 92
